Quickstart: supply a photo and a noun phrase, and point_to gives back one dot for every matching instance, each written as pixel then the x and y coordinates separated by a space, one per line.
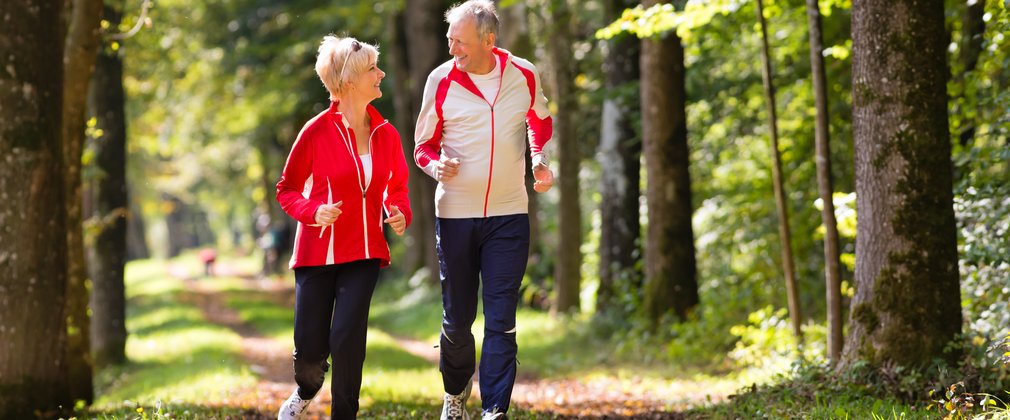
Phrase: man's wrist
pixel 540 159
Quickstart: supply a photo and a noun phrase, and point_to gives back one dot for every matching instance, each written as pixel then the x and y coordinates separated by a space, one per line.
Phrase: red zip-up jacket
pixel 324 168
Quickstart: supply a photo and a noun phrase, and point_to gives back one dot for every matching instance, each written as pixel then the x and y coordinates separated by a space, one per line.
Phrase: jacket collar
pixel 375 118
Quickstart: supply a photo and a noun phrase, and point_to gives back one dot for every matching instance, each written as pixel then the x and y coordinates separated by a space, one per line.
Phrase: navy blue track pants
pixel 331 319
pixel 490 254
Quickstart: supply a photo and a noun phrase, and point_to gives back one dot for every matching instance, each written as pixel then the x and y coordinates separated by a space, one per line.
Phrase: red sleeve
pixel 538 118
pixel 396 188
pixel 298 170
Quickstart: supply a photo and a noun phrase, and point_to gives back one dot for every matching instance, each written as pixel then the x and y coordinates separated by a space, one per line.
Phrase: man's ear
pixel 489 40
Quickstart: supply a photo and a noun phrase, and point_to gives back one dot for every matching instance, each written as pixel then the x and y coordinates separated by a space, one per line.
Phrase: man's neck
pixel 489 67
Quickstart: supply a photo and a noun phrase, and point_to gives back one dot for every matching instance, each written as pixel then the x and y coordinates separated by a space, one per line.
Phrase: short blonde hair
pixel 341 58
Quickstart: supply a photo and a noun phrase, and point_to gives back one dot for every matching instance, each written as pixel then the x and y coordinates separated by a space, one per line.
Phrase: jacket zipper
pixel 360 172
pixel 490 169
pixel 365 218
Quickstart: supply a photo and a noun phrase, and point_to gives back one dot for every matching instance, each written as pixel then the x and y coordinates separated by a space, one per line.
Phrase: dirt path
pixel 267 358
pixel 602 398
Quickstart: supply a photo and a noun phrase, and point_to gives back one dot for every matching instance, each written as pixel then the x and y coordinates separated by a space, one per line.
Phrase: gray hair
pixel 341 58
pixel 483 13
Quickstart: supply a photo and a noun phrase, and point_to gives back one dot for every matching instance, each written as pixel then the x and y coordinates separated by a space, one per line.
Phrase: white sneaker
pixel 492 415
pixel 294 408
pixel 454 406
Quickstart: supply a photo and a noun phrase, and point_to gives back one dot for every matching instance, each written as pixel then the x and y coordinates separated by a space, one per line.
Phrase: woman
pixel 345 170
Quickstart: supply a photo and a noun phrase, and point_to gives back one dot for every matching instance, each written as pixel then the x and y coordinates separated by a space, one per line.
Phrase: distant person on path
pixel 471 137
pixel 208 256
pixel 345 170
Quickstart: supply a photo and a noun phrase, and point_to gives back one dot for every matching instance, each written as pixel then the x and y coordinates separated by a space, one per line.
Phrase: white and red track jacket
pixel 324 168
pixel 485 134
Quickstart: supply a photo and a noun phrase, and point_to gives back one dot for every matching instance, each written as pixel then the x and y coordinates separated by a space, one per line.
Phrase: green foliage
pixel 813 390
pixel 766 338
pixel 957 403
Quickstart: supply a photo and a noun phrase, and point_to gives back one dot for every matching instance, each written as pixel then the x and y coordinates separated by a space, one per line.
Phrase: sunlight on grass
pixel 149 278
pixel 175 356
pixel 394 375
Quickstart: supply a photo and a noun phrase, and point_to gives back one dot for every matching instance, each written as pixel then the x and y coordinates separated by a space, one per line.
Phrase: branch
pixel 136 28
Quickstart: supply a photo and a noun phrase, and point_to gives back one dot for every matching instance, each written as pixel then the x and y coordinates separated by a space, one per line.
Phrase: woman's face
pixel 366 84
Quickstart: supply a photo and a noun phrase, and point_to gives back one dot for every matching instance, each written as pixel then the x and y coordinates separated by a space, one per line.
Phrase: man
pixel 470 137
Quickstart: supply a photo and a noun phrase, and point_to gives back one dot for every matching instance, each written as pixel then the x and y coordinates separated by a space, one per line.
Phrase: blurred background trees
pixel 665 212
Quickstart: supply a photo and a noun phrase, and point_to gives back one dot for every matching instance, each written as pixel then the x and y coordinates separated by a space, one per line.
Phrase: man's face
pixel 471 53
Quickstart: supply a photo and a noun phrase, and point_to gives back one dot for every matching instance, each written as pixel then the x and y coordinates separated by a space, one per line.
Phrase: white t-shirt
pixel 488 84
pixel 366 166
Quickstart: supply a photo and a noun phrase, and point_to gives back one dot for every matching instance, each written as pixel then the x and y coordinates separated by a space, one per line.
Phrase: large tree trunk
pixel 79 64
pixel 822 138
pixel 567 276
pixel 907 302
pixel 619 157
pixel 670 267
pixel 107 258
pixel 33 241
pixel 424 40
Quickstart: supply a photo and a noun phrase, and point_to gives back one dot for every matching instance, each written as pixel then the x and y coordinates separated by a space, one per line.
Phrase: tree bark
pixel 780 195
pixel 136 233
pixel 567 275
pixel 822 139
pixel 107 258
pixel 670 267
pixel 619 157
pixel 79 64
pixel 33 241
pixel 907 303
pixel 426 49
pixel 972 30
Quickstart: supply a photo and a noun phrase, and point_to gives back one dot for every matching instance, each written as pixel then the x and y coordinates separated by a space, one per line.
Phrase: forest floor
pixel 603 395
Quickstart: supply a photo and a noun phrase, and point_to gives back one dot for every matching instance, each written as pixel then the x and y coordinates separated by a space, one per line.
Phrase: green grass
pixel 182 366
pixel 802 400
pixel 176 358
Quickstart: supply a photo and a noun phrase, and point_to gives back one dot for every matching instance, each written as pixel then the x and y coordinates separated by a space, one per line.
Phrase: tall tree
pixel 619 157
pixel 33 242
pixel 79 64
pixel 907 303
pixel 107 259
pixel 426 49
pixel 670 268
pixel 972 29
pixel 780 196
pixel 567 276
pixel 822 138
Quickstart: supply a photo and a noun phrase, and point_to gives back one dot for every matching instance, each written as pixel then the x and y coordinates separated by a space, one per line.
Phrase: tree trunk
pixel 33 240
pixel 107 258
pixel 780 195
pixel 136 233
pixel 567 276
pixel 79 64
pixel 670 267
pixel 426 49
pixel 972 30
pixel 907 303
pixel 832 263
pixel 620 151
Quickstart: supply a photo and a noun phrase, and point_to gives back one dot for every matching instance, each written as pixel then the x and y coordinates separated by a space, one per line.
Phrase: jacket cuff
pixel 540 159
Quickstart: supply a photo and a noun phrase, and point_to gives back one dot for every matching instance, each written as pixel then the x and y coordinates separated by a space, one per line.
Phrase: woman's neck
pixel 355 112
